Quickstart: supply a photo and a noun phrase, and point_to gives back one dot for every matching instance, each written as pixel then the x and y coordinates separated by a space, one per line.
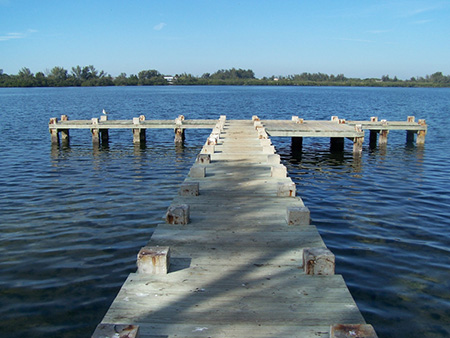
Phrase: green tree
pixel 58 76
pixel 150 77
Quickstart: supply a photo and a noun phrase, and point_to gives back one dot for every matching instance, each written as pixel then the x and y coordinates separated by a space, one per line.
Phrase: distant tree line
pixel 90 76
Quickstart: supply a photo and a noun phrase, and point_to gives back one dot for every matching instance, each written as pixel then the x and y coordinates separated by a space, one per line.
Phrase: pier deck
pixel 237 267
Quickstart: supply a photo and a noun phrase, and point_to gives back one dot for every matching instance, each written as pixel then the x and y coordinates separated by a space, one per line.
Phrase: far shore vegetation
pixel 89 76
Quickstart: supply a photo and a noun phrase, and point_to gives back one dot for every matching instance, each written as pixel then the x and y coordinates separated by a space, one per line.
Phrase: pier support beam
pixel 421 134
pixel 54 136
pixel 410 136
pixel 358 145
pixel 65 132
pixel 95 132
pixel 336 144
pixel 373 138
pixel 95 136
pixel 382 141
pixel 297 144
pixel 139 135
pixel 179 136
pixel 54 133
pixel 104 135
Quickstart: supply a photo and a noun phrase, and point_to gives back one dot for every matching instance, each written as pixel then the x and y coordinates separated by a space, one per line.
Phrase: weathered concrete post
pixel 287 189
pixel 178 214
pixel 421 134
pixel 179 130
pixel 203 158
pixel 153 260
pixel 318 261
pixel 189 189
pixel 54 131
pixel 358 142
pixel 179 136
pixel 373 134
pixel 138 132
pixel 383 134
pixel 65 132
pixel 95 131
pixel 298 216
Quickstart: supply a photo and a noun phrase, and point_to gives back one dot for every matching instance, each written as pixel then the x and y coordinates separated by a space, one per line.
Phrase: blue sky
pixel 359 38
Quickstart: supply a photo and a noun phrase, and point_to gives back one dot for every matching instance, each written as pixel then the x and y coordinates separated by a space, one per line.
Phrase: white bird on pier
pixel 104 112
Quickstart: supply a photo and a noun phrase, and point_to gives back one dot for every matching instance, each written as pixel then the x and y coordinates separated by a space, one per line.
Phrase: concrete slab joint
pixel 297 216
pixel 153 260
pixel 178 214
pixel 318 261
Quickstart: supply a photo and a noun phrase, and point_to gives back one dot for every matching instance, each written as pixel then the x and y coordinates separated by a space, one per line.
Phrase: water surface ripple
pixel 72 218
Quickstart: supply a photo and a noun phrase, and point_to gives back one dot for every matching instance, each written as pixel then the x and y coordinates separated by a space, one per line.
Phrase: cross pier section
pixel 237 255
pixel 297 128
pixel 338 129
pixel 99 127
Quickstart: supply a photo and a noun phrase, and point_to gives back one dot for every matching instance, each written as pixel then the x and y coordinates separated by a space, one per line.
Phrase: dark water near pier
pixel 73 218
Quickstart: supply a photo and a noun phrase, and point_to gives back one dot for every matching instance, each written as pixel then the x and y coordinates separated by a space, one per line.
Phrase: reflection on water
pixel 74 216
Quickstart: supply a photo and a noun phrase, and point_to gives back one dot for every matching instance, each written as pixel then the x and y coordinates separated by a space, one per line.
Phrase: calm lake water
pixel 72 219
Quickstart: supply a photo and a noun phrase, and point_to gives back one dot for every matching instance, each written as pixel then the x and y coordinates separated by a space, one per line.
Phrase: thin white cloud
pixel 420 10
pixel 159 26
pixel 354 40
pixel 17 35
pixel 11 36
pixel 379 31
pixel 421 22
